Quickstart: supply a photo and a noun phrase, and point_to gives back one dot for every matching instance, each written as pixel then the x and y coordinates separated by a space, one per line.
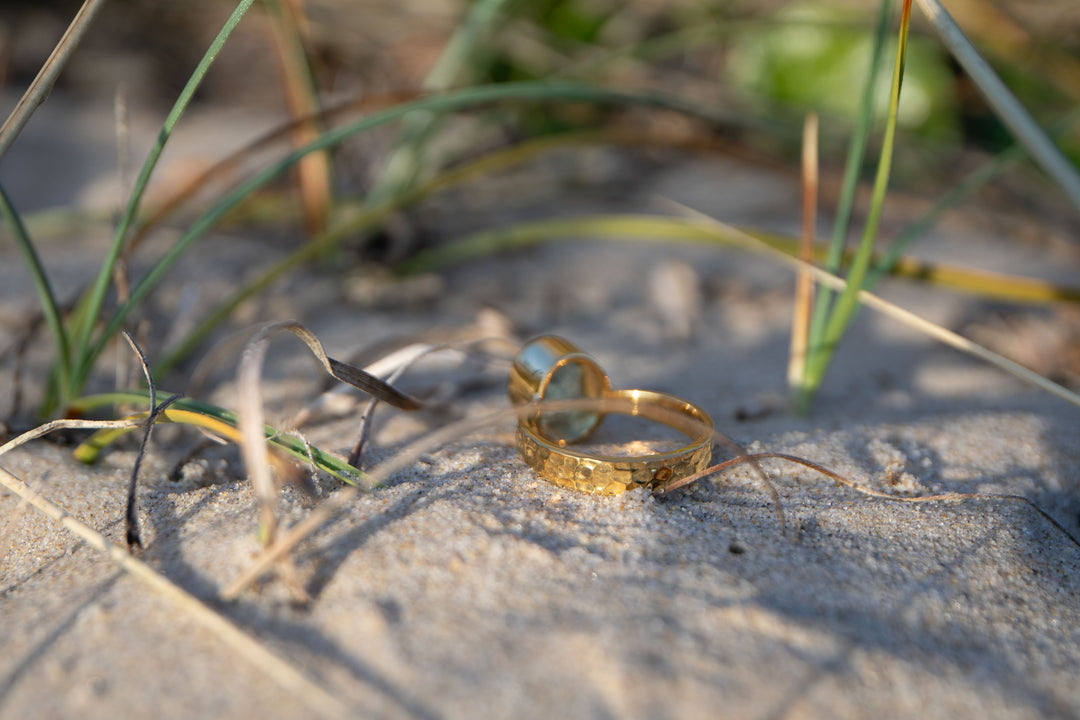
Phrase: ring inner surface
pixel 625 435
pixel 685 426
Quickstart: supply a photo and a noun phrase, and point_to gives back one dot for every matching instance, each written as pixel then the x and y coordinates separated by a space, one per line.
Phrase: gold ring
pixel 551 368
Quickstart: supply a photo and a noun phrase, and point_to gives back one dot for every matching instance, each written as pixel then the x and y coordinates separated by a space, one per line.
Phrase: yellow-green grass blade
pixel 209 417
pixel 652 228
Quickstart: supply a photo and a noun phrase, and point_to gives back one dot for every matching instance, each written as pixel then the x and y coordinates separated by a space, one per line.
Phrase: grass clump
pixel 479 74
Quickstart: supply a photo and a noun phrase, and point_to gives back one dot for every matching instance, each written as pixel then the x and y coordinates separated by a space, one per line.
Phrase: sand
pixel 468 587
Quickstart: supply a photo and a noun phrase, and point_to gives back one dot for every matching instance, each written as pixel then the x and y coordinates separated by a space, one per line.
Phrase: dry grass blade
pixel 804 281
pixel 362 380
pixel 42 85
pixel 250 421
pixel 66 424
pixel 317 698
pixel 344 372
pixel 334 401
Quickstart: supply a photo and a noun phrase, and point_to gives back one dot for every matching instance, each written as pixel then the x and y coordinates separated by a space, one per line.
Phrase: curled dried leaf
pixel 250 410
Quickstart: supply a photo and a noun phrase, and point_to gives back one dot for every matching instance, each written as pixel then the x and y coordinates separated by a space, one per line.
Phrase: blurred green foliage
pixel 813 56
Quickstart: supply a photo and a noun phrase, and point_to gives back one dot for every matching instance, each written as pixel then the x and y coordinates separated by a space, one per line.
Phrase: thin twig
pixel 365 417
pixel 131 514
pixel 409 356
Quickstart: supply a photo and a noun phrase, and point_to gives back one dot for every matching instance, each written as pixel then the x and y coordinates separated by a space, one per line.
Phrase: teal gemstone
pixel 571 382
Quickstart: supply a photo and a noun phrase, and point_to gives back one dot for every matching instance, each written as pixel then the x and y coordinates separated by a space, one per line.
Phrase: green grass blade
pixel 49 307
pixel 467 98
pixel 848 301
pixel 856 152
pixel 89 314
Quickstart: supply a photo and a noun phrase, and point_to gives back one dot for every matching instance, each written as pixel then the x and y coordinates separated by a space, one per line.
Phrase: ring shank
pixel 613 474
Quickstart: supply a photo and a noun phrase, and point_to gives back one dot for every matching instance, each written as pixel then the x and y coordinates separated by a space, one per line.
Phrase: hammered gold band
pixel 551 368
pixel 613 474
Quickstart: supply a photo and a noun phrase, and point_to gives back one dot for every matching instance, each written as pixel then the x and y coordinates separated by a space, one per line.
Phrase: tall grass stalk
pixel 88 313
pixel 804 281
pixel 49 307
pixel 847 303
pixel 313 174
pixel 856 152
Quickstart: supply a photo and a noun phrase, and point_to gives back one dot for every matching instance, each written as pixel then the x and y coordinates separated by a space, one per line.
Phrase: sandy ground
pixel 468 587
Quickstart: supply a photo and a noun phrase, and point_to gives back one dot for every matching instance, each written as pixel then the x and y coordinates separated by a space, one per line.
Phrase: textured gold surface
pixel 611 475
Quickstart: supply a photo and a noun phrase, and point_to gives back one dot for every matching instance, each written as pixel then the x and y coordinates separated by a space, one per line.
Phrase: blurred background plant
pixel 393 102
